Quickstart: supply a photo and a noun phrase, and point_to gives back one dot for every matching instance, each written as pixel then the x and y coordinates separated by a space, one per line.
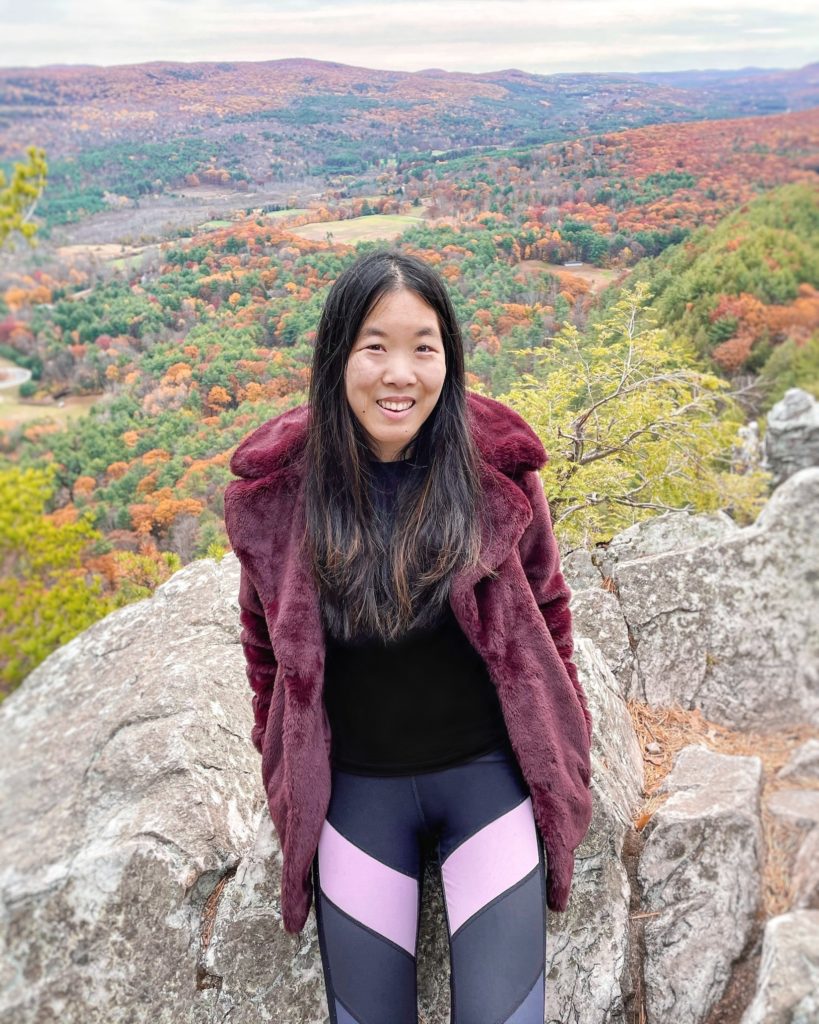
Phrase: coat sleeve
pixel 260 661
pixel 540 558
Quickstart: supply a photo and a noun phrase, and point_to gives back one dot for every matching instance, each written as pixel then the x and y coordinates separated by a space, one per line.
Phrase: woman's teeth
pixel 396 406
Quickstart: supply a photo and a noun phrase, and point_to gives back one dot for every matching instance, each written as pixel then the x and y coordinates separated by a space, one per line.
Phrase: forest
pixel 695 249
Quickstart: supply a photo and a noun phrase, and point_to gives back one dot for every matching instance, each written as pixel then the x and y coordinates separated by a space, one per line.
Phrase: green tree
pixel 791 366
pixel 18 198
pixel 632 427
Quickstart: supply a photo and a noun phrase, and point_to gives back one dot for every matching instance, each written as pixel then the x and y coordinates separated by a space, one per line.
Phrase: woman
pixel 408 641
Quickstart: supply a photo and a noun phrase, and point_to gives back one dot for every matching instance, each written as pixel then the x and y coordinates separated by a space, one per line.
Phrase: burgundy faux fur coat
pixel 520 623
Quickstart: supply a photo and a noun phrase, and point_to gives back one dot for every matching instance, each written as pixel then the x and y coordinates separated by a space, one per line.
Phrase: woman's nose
pixel 399 370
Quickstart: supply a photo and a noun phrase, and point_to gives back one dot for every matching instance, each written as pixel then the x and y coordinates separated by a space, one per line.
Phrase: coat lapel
pixel 505 514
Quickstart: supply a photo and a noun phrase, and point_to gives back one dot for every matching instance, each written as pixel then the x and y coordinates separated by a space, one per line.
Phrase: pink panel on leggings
pixel 378 896
pixel 489 862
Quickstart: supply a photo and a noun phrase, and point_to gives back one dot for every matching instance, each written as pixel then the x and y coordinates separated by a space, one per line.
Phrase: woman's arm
pixel 260 661
pixel 540 558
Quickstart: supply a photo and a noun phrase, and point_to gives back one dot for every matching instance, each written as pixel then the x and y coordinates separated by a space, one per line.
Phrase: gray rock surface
pixel 806 872
pixel 789 972
pixel 664 535
pixel 791 440
pixel 731 625
pixel 804 763
pixel 798 807
pixel 596 613
pixel 699 875
pixel 807 1010
pixel 579 570
pixel 595 928
pixel 695 611
pixel 127 792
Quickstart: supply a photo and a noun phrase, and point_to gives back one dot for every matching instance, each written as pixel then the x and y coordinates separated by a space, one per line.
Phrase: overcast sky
pixel 540 36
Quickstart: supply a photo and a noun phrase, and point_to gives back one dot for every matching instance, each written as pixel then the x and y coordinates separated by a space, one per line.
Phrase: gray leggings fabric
pixel 476 820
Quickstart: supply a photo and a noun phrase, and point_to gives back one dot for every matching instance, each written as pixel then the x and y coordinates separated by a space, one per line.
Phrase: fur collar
pixel 504 439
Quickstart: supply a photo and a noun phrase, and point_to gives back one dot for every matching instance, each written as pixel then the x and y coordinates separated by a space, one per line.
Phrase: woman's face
pixel 398 354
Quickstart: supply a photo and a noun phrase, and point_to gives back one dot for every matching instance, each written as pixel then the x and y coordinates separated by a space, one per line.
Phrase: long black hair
pixel 376 578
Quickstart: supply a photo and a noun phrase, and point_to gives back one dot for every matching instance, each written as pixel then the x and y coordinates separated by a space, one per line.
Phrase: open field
pixel 280 214
pixel 102 252
pixel 359 229
pixel 14 411
pixel 597 277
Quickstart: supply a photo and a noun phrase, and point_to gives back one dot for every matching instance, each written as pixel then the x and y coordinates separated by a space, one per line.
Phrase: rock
pixel 699 876
pixel 789 972
pixel 731 625
pixel 261 972
pixel 579 571
pixel 140 870
pixel 128 793
pixel 806 872
pixel 663 535
pixel 596 614
pixel 791 440
pixel 807 1010
pixel 595 610
pixel 595 928
pixel 796 806
pixel 748 455
pixel 803 763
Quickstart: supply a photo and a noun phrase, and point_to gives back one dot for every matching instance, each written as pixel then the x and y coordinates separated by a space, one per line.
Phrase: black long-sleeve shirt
pixel 420 703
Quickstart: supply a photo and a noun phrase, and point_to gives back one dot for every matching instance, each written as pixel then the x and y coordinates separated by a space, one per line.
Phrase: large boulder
pixel 128 795
pixel 699 875
pixel 714 616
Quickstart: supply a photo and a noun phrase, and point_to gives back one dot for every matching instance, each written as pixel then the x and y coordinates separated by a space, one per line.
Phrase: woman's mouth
pixel 396 410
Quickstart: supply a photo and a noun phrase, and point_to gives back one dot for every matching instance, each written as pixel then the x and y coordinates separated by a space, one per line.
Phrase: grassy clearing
pixel 279 214
pixel 13 412
pixel 359 229
pixel 596 277
pixel 103 252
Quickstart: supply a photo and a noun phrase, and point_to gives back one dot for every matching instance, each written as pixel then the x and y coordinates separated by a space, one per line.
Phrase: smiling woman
pixel 400 585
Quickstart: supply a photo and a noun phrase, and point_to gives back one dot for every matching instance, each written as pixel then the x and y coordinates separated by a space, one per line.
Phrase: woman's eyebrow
pixel 422 332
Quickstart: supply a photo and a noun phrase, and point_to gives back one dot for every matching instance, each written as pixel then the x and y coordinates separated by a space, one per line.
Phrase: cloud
pixel 408 35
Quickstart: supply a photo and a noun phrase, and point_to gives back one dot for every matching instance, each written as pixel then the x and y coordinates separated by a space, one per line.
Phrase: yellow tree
pixel 633 428
pixel 46 596
pixel 19 198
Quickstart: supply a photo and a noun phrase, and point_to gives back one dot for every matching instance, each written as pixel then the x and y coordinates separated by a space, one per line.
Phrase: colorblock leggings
pixel 477 819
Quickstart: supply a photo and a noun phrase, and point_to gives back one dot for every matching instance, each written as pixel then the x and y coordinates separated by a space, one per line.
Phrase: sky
pixel 538 36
